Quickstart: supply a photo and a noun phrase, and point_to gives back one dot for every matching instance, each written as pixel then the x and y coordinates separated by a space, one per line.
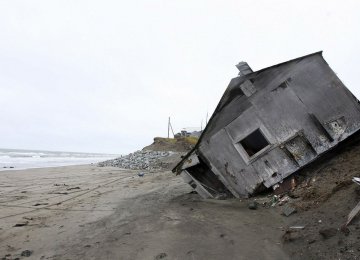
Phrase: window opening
pixel 254 142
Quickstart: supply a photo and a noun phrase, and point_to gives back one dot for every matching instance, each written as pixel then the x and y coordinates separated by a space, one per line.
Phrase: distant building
pixel 269 124
pixel 189 131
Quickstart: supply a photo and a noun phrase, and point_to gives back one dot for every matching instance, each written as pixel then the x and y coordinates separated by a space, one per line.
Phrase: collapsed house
pixel 268 125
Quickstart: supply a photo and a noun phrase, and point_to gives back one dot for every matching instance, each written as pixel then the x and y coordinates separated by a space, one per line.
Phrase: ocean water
pixel 12 159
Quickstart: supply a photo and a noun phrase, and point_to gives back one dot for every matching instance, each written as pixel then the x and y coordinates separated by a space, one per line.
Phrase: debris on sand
pixel 296 227
pixel 354 211
pixel 253 205
pixel 23 224
pixel 288 210
pixel 160 256
pixel 75 188
pixel 40 204
pixel 326 233
pixel 352 214
pixel 26 253
pixel 356 180
pixel 285 199
pixel 290 235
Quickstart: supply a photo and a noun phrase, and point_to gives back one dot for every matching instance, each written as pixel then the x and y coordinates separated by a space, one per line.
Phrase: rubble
pixel 140 160
pixel 26 253
pixel 356 180
pixel 253 205
pixel 355 210
pixel 290 235
pixel 21 224
pixel 284 200
pixel 296 227
pixel 160 256
pixel 273 200
pixel 352 214
pixel 328 232
pixel 288 210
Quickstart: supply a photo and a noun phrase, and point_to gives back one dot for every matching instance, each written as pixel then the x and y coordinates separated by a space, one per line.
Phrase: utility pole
pixel 207 113
pixel 169 128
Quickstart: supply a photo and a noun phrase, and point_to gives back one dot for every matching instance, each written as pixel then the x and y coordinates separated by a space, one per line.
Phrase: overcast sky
pixel 103 76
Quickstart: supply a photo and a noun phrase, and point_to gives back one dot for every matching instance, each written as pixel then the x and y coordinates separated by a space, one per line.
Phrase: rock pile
pixel 139 160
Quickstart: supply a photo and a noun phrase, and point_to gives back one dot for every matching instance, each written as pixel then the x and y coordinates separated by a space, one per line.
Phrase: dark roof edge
pixel 284 62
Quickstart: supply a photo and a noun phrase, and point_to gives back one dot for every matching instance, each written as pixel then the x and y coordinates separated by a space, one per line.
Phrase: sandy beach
pixel 87 212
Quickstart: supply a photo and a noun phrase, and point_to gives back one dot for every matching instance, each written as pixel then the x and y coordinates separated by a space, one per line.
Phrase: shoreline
pixel 44 167
pixel 50 165
pixel 22 159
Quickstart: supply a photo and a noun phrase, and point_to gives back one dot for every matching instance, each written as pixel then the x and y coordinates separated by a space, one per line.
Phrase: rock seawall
pixel 143 160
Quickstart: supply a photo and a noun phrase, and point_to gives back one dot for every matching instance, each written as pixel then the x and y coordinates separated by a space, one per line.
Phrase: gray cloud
pixel 103 76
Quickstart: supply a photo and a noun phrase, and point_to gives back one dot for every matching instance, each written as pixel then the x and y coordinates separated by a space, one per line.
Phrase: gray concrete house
pixel 269 124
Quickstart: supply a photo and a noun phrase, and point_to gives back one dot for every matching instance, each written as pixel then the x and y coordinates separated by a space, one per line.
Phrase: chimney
pixel 243 68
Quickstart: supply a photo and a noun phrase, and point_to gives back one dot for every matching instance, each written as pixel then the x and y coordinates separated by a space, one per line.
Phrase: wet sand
pixel 87 212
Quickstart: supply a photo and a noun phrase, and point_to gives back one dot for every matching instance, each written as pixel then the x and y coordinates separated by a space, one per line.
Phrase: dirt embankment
pixel 181 144
pixel 324 197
